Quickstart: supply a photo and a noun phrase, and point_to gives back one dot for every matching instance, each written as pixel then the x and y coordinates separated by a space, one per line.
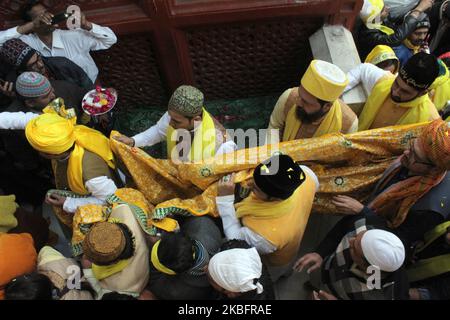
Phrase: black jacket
pixel 61 68
pixel 367 38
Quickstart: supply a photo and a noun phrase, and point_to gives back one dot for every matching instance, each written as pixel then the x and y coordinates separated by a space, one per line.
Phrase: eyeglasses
pixel 413 153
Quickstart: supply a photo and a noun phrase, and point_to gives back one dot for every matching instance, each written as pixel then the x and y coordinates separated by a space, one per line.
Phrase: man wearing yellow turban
pixel 376 30
pixel 314 109
pixel 81 157
pixel 397 100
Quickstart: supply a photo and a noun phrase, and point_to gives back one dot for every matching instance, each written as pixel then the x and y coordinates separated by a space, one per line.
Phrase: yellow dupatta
pixel 419 107
pixel 257 208
pixel 442 95
pixel 382 28
pixel 103 272
pixel 204 144
pixel 332 123
pixel 370 15
pixel 93 141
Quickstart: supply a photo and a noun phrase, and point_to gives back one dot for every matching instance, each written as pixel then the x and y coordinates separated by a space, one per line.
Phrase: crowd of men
pixel 54 152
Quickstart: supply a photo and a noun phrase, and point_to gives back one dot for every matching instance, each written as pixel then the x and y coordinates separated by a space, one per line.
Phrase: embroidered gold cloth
pixel 345 164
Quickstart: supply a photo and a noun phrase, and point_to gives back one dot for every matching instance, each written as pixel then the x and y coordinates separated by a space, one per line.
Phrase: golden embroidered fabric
pixel 345 164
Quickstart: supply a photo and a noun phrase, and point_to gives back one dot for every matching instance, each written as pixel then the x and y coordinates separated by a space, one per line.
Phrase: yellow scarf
pixel 382 28
pixel 257 208
pixel 204 144
pixel 93 141
pixel 442 95
pixel 419 107
pixel 103 272
pixel 370 13
pixel 330 124
pixel 434 266
pixel 441 87
pixel 409 45
pixel 52 134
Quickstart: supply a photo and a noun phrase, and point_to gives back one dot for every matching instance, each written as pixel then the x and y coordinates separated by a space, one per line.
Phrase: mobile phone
pixel 60 17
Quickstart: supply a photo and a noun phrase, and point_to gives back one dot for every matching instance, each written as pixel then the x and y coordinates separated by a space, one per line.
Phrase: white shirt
pixel 157 134
pixel 75 45
pixel 99 187
pixel 366 73
pixel 233 228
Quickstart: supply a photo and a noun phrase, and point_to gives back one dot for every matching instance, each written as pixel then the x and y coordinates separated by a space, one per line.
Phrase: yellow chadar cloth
pixel 331 123
pixel 204 144
pixel 87 215
pixel 419 108
pixel 348 164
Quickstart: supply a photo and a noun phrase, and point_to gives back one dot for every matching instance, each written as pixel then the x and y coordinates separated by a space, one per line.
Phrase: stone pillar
pixel 335 44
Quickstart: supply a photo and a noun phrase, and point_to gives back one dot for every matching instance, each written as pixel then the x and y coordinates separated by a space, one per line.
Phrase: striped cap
pixel 32 85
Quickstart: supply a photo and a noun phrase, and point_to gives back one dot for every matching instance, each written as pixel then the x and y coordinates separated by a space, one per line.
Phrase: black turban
pixel 420 71
pixel 279 176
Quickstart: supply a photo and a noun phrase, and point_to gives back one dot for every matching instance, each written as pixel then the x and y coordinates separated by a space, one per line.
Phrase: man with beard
pixel 190 131
pixel 412 194
pixel 397 100
pixel 43 36
pixel 415 42
pixel 314 109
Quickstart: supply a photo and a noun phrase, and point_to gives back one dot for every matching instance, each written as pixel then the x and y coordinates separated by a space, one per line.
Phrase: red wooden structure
pixel 227 48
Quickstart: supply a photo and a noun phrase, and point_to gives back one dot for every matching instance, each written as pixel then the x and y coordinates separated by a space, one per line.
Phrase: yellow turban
pixel 324 80
pixel 50 133
pixel 382 53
